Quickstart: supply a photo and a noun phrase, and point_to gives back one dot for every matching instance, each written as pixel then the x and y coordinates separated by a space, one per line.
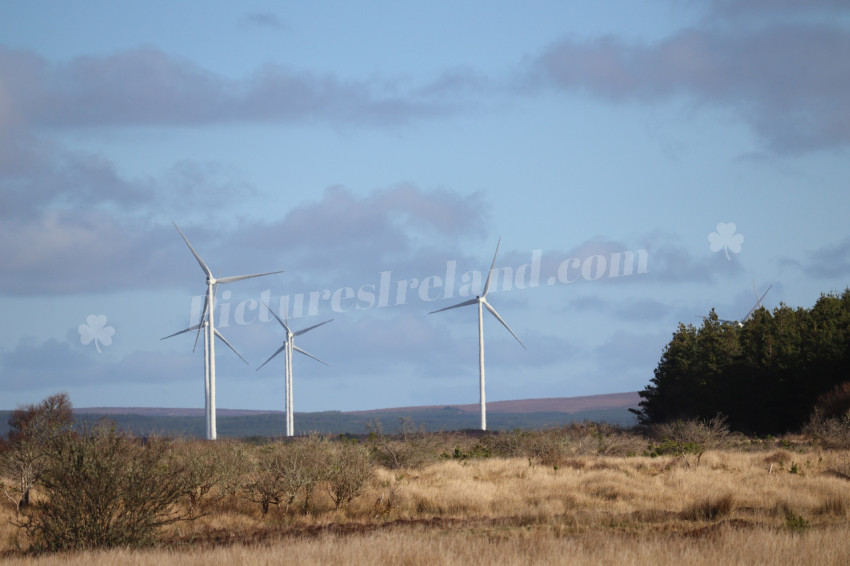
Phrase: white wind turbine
pixel 481 300
pixel 287 347
pixel 758 305
pixel 207 324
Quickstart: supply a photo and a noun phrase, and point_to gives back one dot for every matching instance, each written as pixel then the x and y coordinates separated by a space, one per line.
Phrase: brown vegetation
pixel 576 494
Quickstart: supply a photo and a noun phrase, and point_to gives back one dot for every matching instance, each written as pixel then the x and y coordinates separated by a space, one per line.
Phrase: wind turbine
pixel 481 301
pixel 210 332
pixel 204 324
pixel 758 305
pixel 287 347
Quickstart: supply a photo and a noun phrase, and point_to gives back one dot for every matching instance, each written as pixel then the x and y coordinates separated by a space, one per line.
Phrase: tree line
pixel 765 375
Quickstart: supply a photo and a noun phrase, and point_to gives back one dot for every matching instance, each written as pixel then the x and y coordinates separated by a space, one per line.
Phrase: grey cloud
pixel 671 262
pixel 787 81
pixel 733 9
pixel 145 86
pixel 628 352
pixel 362 235
pixel 343 239
pixel 262 20
pixel 37 175
pixel 633 309
pixel 829 261
pixel 62 252
pixel 32 365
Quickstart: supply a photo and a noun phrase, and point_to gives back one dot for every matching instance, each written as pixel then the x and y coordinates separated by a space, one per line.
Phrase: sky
pixel 638 164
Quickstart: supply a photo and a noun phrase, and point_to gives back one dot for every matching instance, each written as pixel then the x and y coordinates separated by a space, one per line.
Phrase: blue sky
pixel 350 145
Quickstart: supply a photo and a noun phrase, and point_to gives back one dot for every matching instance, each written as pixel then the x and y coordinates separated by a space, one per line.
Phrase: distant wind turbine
pixel 210 332
pixel 481 301
pixel 287 348
pixel 758 305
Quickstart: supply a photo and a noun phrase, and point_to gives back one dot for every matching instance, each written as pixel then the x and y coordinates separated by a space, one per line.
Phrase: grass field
pixel 740 505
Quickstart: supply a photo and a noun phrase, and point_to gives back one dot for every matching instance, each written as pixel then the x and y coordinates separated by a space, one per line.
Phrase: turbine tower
pixel 207 324
pixel 481 301
pixel 287 347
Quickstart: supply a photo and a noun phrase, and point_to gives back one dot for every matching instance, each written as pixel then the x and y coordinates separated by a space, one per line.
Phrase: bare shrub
pixel 689 438
pixel 308 464
pixel 413 448
pixel 211 470
pixel 103 489
pixel 829 432
pixel 263 484
pixel 282 471
pixel 835 403
pixel 31 428
pixel 351 468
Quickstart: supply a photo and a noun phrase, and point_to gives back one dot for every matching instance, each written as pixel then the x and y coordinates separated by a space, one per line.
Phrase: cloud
pixel 262 20
pixel 62 365
pixel 734 9
pixel 349 237
pixel 38 175
pixel 671 262
pixel 145 87
pixel 625 355
pixel 786 81
pixel 343 239
pixel 829 261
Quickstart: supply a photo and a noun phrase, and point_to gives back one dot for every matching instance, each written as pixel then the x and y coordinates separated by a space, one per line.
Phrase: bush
pixel 351 468
pixel 829 432
pixel 31 428
pixel 282 471
pixel 104 489
pixel 211 470
pixel 689 437
pixel 413 448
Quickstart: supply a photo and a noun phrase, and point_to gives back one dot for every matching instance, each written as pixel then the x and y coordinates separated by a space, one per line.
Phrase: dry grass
pixel 734 507
pixel 415 546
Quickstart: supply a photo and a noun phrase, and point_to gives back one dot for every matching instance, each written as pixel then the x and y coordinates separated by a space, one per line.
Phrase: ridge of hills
pixel 501 415
pixel 520 406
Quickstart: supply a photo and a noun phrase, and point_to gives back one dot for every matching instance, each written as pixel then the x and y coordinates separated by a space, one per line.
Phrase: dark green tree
pixel 764 375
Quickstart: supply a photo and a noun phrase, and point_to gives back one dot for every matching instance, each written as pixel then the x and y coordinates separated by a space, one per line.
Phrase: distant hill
pixel 501 415
pixel 547 405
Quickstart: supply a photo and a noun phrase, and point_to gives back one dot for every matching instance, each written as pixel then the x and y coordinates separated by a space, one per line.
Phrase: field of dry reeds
pixel 574 495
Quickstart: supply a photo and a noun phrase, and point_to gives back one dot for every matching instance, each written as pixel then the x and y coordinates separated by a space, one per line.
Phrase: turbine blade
pixel 765 293
pixel 309 328
pixel 505 324
pixel 283 324
pixel 233 278
pixel 747 316
pixel 297 349
pixel 203 318
pixel 194 253
pixel 758 303
pixel 223 339
pixel 463 304
pixel 490 273
pixel 191 328
pixel 279 350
